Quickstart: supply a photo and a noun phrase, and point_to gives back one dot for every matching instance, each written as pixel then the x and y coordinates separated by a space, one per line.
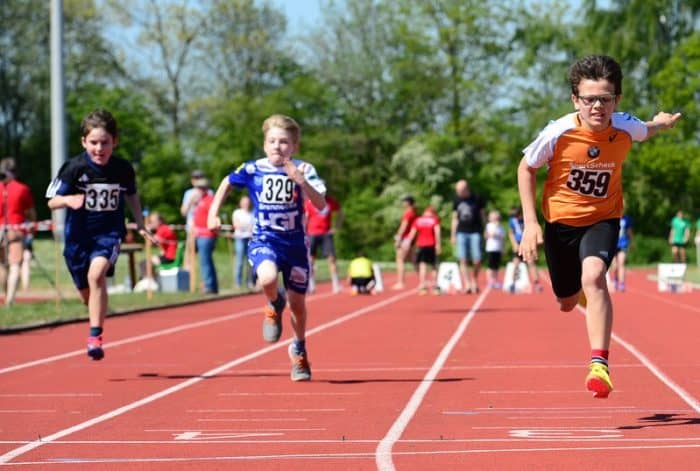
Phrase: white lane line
pixel 290 394
pixel 368 455
pixel 138 338
pixel 655 370
pixel 562 438
pixel 10 455
pixel 383 452
pixel 675 387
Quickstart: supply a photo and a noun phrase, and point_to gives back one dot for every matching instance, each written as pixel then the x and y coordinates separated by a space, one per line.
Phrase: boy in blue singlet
pixel 277 186
pixel 93 187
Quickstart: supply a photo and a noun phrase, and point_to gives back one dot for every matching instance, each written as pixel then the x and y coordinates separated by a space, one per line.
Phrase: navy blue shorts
pixel 291 258
pixel 79 255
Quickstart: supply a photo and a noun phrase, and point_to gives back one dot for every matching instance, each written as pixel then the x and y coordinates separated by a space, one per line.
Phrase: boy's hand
pixel 75 201
pixel 146 234
pixel 666 120
pixel 213 223
pixel 294 172
pixel 532 238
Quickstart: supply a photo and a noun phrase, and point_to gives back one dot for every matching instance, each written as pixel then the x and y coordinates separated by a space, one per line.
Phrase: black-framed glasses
pixel 589 100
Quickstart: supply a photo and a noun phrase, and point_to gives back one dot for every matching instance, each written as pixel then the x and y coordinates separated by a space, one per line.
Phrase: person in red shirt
pixel 320 227
pixel 426 230
pixel 205 238
pixel 17 208
pixel 166 238
pixel 402 242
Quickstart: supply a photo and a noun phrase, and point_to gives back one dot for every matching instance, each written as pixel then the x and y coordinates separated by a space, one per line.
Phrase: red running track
pixel 400 381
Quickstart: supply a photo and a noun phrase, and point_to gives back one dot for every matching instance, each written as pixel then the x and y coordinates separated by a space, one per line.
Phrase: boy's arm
pixel 532 232
pixel 661 122
pixel 134 204
pixel 66 201
pixel 213 220
pixel 297 175
pixel 453 227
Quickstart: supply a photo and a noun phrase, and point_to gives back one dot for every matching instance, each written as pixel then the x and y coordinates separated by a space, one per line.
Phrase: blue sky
pixel 300 13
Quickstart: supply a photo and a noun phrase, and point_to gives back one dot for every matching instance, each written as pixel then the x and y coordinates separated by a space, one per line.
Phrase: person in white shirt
pixel 243 221
pixel 494 234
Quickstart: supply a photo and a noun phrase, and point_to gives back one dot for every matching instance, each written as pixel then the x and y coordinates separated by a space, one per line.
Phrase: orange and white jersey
pixel 584 167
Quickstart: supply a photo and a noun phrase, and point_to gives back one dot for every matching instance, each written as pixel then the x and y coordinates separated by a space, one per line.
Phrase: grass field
pixel 51 282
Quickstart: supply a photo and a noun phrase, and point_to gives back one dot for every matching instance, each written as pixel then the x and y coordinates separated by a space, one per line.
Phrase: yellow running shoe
pixel 598 380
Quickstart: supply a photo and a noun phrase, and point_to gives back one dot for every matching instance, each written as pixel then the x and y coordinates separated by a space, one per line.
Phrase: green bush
pixel 647 250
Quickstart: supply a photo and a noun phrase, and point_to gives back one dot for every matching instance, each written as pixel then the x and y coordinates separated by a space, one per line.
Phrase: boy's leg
pixel 600 238
pixel 272 323
pixel 301 370
pixel 97 285
pixel 599 306
pixel 95 296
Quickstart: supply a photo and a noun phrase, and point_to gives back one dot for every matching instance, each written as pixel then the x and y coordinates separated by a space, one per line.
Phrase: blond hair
pixel 283 122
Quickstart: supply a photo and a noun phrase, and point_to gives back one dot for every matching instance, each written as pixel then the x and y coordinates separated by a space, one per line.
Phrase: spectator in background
pixel 466 232
pixel 426 231
pixel 17 207
pixel 27 256
pixel 189 201
pixel 243 223
pixel 204 238
pixel 515 234
pixel 165 237
pixel 361 275
pixel 401 241
pixel 494 236
pixel 678 236
pixel 320 227
pixel 618 267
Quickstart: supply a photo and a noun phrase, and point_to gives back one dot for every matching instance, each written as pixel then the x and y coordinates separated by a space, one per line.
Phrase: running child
pixel 93 187
pixel 582 198
pixel 277 185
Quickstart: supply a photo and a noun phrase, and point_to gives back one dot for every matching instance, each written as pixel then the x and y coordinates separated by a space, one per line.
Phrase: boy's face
pixel 99 145
pixel 279 146
pixel 595 103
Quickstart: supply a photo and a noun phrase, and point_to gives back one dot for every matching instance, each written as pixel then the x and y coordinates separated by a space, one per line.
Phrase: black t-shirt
pixel 468 213
pixel 104 188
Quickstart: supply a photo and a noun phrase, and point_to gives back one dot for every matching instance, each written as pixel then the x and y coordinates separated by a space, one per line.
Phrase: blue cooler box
pixel 174 279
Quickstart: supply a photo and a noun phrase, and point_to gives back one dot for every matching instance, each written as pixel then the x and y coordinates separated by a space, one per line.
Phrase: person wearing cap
pixel 189 202
pixel 401 241
pixel 205 238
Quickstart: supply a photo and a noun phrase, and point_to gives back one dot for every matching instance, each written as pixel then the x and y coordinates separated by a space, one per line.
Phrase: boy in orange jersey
pixel 582 198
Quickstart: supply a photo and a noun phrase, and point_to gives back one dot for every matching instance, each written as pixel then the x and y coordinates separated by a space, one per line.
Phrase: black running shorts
pixel 566 246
